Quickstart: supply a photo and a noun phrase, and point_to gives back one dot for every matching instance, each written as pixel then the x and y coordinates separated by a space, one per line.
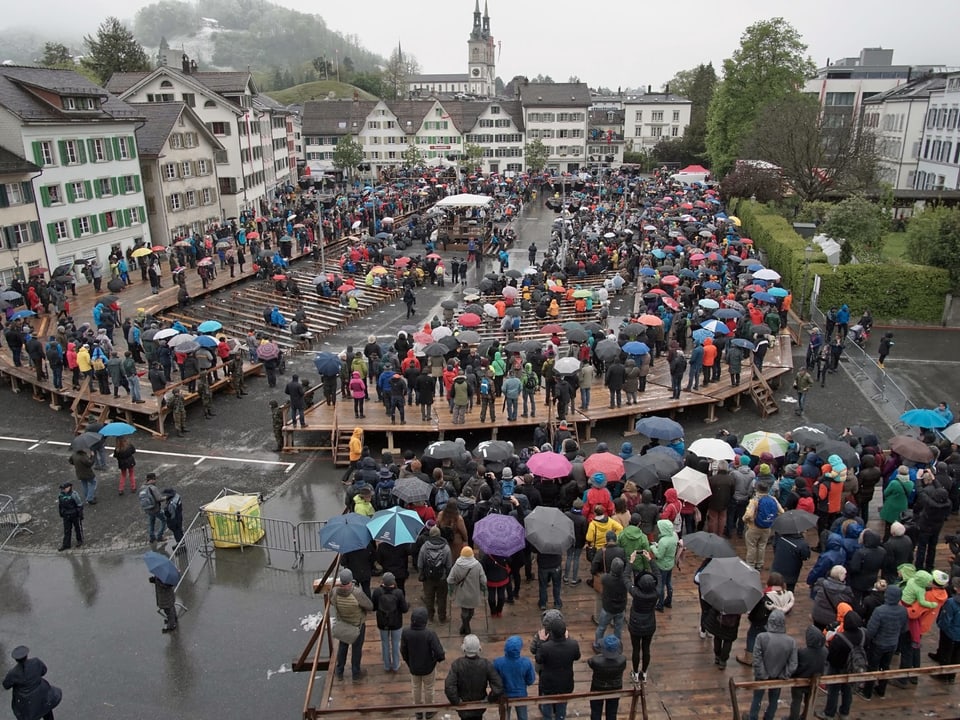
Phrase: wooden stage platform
pixel 330 426
pixel 683 683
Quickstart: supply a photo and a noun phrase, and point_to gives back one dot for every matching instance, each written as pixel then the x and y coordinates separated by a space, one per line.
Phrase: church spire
pixel 486 18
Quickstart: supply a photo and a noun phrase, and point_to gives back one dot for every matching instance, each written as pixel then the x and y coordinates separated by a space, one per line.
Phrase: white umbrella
pixel 490 311
pixel 691 485
pixel 387 220
pixel 180 340
pixel 566 365
pixel 165 333
pixel 441 332
pixel 355 225
pixel 952 433
pixel 766 274
pixel 712 448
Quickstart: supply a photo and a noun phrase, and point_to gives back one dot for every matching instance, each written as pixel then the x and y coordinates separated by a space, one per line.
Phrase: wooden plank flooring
pixel 683 682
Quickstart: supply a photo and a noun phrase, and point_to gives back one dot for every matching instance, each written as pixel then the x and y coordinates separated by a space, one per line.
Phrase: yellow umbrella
pixel 141 252
pixel 379 270
pixel 735 220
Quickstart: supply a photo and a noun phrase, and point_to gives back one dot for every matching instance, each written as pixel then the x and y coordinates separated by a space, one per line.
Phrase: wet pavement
pixel 90 614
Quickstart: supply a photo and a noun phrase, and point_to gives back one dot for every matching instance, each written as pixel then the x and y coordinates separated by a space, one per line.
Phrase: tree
pixel 862 224
pixel 573 79
pixel 681 82
pixel 472 155
pixel 347 155
pixel 166 18
pixel 56 55
pixel 700 93
pixel 396 74
pixel 815 157
pixel 412 157
pixel 323 67
pixel 747 180
pixel 369 82
pixel 536 154
pixel 769 64
pixel 114 49
pixel 933 238
pixel 347 64
pixel 542 79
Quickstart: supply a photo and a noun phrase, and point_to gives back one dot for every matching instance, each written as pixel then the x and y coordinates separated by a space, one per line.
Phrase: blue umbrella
pixel 20 314
pixel 764 297
pixel 658 253
pixel 712 285
pixel 701 334
pixel 647 271
pixel 162 568
pixel 327 364
pixel 116 429
pixel 635 347
pixel 742 343
pixel 395 526
pixel 716 327
pixel 923 418
pixel 659 427
pixel 753 267
pixel 205 341
pixel 727 314
pixel 778 292
pixel 208 326
pixel 687 273
pixel 345 533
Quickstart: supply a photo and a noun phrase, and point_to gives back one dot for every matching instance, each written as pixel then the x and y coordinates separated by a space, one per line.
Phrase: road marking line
pixel 16 439
pixel 33 446
pixel 198 462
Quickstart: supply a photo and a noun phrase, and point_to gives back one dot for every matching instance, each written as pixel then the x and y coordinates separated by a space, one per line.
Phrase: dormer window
pixel 80 103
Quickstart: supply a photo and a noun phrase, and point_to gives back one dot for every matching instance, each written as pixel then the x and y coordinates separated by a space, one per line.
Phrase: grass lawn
pixel 895 247
pixel 318 90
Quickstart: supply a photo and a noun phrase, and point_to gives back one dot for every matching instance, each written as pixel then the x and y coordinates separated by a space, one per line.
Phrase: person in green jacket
pixel 895 499
pixel 664 554
pixel 635 545
pixel 499 367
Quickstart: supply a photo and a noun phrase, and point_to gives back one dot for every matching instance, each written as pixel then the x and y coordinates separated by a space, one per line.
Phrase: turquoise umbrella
pixel 923 418
pixel 395 526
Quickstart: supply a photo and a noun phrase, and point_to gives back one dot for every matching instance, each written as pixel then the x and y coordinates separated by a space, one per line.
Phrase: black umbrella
pixel 449 304
pixel 761 329
pixel 469 337
pixel 85 441
pixel 474 308
pixel 633 329
pixel 443 450
pixel 592 327
pixel 115 285
pixel 549 530
pixel 794 522
pixel 730 586
pixel 513 273
pixel 437 349
pixel 514 311
pixel 108 299
pixel 486 285
pixel 412 490
pixel 710 545
pixel 531 345
pixel 861 432
pixel 449 341
pixel 642 469
pixel 577 335
pixel 496 450
pixel 607 350
pixel 827 447
pixel 513 347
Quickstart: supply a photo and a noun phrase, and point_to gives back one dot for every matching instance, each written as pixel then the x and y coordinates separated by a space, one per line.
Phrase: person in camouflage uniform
pixel 236 376
pixel 276 413
pixel 206 396
pixel 179 412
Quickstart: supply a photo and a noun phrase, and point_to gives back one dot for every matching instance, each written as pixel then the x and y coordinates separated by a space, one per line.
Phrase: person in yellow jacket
pixel 355 448
pixel 598 527
pixel 85 364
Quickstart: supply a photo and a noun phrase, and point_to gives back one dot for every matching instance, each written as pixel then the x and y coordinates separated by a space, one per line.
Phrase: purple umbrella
pixel 499 535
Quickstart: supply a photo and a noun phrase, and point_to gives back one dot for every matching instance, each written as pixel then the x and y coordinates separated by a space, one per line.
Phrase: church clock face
pixel 476 72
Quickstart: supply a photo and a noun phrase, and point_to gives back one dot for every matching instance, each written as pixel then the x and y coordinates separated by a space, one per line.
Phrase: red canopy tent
pixel 694 169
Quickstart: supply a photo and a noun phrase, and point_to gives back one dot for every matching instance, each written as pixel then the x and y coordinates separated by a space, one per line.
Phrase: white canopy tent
pixel 465 200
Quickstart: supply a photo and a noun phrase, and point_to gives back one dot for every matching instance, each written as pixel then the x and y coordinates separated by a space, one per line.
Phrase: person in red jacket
pixel 709 359
pixel 597 494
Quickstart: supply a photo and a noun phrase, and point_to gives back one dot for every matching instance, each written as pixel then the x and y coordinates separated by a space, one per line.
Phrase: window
pixel 166 84
pixel 638 130
pixel 109 220
pixel 136 216
pixel 51 195
pixel 18 234
pixel 59 230
pixel 190 100
pixel 100 150
pixel 656 132
pixel 190 139
pixel 45 153
pixel 128 184
pixel 176 141
pixel 104 187
pixel 209 104
pixel 72 152
pixel 176 202
pixel 170 171
pixel 638 117
pixel 838 99
pixel 674 131
pixel 494 109
pixel 220 157
pixel 190 198
pixel 14 194
pixel 123 148
pixel 160 97
pixel 84 224
pixel 77 191
pixel 206 196
pixel 186 169
pixel 203 167
pixel 656 116
pixel 676 116
pixel 220 128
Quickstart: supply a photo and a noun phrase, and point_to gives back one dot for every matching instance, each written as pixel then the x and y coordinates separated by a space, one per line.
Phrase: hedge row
pixel 892 292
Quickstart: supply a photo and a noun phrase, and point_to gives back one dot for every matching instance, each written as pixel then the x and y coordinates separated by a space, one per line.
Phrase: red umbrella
pixel 670 280
pixel 604 462
pixel 697 257
pixel 279 277
pixel 552 328
pixel 346 287
pixel 253 235
pixel 659 291
pixel 402 262
pixel 650 320
pixel 746 241
pixel 686 206
pixel 671 303
pixel 755 288
pixel 469 320
pixel 158 248
pixel 434 256
pixel 205 261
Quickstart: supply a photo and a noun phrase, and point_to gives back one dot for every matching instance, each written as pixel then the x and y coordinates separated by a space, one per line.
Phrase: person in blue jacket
pixel 834 555
pixel 944 411
pixel 516 672
pixel 843 321
pixel 277 318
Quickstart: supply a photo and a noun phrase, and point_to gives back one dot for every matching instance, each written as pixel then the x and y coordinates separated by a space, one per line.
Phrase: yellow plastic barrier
pixel 235 520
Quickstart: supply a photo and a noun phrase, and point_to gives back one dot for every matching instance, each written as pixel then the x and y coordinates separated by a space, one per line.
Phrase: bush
pixel 892 292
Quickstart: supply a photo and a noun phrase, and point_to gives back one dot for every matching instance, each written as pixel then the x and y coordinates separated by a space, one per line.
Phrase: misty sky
pixel 612 42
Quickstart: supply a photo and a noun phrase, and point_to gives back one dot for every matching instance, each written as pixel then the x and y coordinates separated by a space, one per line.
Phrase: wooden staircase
pixel 85 409
pixel 761 393
pixel 341 447
pixel 571 427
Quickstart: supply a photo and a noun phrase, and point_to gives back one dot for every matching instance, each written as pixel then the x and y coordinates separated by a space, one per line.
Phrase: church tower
pixel 481 55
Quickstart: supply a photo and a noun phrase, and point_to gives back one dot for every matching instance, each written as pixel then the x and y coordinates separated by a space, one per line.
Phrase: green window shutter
pixel 118 218
pixel 62 146
pixel 52 233
pixel 91 148
pixel 27 190
pixel 132 145
pixel 107 148
pixel 71 196
pixel 35 233
pixel 114 186
pixel 136 182
pixel 4 202
pixel 127 218
pixel 94 228
pixel 116 146
pixel 96 189
pixel 143 213
pixel 76 227
pixel 102 221
pixel 38 153
pixel 45 196
pixel 81 151
pixel 88 188
pixel 9 241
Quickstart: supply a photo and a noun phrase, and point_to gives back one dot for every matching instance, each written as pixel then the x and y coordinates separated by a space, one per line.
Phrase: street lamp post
pixel 807 254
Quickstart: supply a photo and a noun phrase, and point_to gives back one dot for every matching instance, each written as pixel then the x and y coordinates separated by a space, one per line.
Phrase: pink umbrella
pixel 604 462
pixel 402 262
pixel 510 291
pixel 549 465
pixel 423 338
pixel 469 320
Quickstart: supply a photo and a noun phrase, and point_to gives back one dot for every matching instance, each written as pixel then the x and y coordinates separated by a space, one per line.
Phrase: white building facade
pixel 556 114
pixel 653 117
pixel 939 154
pixel 21 237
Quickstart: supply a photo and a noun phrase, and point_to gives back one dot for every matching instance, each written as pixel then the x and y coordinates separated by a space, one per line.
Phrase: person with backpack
pixel 389 604
pixel 421 650
pixel 512 388
pixel 150 503
pixel 125 453
pixel 173 512
pixel 887 623
pixel 467 581
pixel 761 511
pixel 487 392
pixel 434 562
pixel 846 653
pixel 409 299
pixel 70 507
pixel 531 383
